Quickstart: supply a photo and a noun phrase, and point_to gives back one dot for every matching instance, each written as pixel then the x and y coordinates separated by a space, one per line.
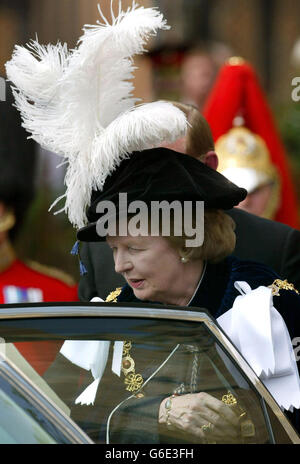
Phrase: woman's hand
pixel 202 416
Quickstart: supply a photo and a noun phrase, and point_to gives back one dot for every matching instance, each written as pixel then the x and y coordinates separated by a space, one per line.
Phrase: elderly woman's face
pixel 150 265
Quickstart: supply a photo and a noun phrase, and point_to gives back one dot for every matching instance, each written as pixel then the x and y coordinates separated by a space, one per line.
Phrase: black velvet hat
pixel 161 174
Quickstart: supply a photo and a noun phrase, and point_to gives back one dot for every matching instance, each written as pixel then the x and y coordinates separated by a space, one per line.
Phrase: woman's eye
pixel 133 249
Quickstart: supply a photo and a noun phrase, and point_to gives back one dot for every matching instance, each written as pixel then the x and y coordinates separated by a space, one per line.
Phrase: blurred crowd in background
pixel 183 64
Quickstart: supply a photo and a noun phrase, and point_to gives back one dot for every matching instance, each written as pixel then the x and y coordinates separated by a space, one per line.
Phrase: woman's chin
pixel 141 294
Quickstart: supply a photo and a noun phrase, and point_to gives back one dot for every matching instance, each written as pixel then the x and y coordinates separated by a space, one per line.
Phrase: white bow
pixel 92 355
pixel 259 332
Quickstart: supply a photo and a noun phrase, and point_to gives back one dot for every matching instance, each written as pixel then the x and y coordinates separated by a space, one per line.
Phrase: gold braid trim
pixel 51 272
pixel 133 381
pixel 281 284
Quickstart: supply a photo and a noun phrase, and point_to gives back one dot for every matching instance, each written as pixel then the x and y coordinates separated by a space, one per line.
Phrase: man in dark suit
pixel 272 243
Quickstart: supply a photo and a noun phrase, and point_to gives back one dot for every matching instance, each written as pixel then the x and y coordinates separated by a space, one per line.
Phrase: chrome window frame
pixel 111 310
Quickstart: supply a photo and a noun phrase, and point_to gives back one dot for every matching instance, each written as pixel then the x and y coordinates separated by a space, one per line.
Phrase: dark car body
pixel 168 343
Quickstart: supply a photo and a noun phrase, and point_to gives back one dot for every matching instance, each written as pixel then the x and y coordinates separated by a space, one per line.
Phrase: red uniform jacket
pixel 22 283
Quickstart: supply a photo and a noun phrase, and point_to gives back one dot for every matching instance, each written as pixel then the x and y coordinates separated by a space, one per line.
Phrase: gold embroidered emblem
pixel 112 297
pixel 229 399
pixel 281 284
pixel 132 380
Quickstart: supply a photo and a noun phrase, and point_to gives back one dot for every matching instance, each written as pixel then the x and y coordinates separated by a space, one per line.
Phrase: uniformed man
pixel 238 98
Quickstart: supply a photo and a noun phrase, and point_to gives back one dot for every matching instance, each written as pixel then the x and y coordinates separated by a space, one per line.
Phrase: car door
pixel 28 416
pixel 169 352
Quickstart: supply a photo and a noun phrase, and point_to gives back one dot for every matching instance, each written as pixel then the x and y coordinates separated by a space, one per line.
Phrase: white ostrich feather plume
pixel 78 103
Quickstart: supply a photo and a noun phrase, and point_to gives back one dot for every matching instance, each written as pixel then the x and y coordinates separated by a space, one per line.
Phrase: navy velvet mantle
pixel 217 294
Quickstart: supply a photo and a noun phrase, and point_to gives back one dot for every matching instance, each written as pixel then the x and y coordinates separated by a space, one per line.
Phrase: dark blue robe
pixel 217 294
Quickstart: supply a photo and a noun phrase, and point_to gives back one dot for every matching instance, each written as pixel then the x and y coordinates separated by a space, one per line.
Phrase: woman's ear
pixel 211 160
pixel 184 255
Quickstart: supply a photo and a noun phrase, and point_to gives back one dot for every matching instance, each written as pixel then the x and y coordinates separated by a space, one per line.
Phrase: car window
pixel 177 359
pixel 38 355
pixel 17 426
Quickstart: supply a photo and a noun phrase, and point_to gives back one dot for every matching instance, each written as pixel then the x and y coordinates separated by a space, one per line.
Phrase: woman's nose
pixel 122 262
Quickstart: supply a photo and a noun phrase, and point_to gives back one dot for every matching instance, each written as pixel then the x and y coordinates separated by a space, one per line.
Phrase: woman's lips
pixel 136 283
